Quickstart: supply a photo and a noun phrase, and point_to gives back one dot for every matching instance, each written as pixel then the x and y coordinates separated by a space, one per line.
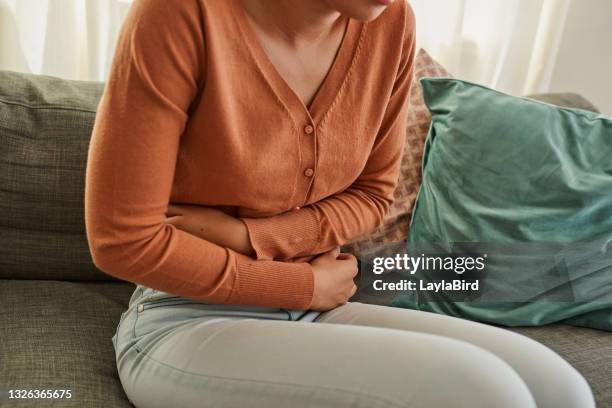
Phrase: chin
pixel 364 10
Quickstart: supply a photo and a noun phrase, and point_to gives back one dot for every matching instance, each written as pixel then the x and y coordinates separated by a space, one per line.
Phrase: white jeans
pixel 181 353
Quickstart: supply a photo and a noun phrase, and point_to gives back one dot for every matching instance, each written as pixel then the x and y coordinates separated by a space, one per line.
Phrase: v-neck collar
pixel 333 82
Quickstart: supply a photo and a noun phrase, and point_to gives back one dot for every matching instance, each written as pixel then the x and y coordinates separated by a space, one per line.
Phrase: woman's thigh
pixel 180 357
pixel 552 381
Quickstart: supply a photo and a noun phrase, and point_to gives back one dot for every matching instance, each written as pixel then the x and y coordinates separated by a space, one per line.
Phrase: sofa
pixel 58 311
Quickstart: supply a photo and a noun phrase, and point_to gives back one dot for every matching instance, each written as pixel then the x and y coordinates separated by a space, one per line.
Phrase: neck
pixel 295 20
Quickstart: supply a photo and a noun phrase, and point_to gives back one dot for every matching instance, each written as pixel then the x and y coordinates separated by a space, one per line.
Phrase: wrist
pixel 243 241
pixel 275 284
pixel 284 236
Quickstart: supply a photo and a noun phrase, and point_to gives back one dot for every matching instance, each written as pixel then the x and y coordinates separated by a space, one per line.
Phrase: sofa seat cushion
pixel 57 335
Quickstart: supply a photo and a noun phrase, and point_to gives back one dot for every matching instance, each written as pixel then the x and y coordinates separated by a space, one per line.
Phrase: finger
pixel 344 256
pixel 353 291
pixel 332 253
pixel 349 259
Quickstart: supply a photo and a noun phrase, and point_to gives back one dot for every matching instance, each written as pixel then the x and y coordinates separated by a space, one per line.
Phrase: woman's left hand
pixel 212 225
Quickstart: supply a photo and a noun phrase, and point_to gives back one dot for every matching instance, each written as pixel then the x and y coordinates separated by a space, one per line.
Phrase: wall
pixel 584 62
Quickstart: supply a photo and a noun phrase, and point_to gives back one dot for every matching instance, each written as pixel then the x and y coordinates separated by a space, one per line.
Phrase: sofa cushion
pixel 525 182
pixel 57 335
pixel 45 127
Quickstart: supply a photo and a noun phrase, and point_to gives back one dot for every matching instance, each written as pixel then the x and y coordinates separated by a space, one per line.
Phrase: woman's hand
pixel 333 279
pixel 333 271
pixel 212 225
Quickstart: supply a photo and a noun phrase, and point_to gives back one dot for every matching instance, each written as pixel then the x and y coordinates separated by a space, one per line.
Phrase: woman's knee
pixel 454 373
pixel 554 382
pixel 561 386
pixel 576 391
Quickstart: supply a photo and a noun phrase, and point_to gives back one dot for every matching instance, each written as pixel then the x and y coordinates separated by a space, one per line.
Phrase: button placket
pixel 309 130
pixel 308 160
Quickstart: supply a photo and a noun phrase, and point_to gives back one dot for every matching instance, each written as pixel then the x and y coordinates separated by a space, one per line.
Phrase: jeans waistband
pixel 146 294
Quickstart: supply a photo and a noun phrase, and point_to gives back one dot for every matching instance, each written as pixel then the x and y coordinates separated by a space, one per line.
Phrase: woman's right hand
pixel 333 279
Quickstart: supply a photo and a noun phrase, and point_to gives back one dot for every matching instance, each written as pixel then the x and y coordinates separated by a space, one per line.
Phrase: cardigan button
pixel 308 172
pixel 308 129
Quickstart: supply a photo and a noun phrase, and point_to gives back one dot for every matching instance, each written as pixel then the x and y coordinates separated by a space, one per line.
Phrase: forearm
pixel 212 225
pixel 321 226
pixel 217 227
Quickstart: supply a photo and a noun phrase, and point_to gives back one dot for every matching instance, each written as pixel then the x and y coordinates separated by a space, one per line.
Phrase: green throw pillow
pixel 528 186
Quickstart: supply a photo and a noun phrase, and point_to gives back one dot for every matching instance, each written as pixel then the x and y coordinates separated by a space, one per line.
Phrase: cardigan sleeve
pixel 155 75
pixel 360 208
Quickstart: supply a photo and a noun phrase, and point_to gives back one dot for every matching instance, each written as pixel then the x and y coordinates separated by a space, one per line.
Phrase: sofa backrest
pixel 45 128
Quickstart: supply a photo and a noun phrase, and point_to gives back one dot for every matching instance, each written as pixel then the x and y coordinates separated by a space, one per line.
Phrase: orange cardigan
pixel 194 112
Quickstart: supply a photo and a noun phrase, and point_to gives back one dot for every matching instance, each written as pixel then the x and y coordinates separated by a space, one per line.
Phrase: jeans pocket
pixel 149 316
pixel 171 311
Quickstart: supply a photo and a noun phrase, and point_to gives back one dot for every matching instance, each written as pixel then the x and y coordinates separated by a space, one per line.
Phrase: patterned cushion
pixel 395 225
pixel 45 127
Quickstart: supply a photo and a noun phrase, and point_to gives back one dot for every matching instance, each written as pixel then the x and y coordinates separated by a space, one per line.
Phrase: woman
pixel 237 145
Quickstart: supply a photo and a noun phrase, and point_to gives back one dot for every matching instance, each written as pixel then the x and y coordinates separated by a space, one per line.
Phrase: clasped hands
pixel 333 271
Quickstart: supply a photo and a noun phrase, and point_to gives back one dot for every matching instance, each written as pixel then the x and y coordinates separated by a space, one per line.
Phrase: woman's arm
pixel 359 209
pixel 156 74
pixel 212 225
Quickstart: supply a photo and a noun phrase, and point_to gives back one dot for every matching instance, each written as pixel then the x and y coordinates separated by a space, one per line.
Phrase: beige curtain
pixel 66 38
pixel 510 45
